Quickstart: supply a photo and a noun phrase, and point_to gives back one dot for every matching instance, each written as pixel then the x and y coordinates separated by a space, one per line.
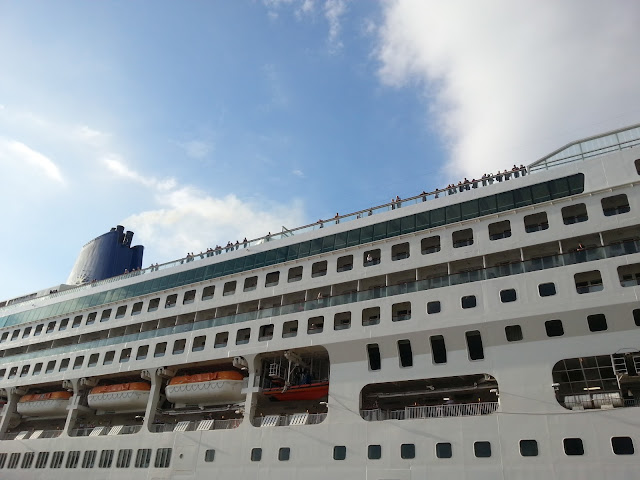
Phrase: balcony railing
pixel 287 420
pixel 431 411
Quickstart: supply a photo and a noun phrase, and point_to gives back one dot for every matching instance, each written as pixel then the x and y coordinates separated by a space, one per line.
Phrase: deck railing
pixel 285 420
pixel 431 411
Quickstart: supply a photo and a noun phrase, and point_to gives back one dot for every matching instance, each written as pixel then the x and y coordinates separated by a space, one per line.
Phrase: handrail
pixel 431 411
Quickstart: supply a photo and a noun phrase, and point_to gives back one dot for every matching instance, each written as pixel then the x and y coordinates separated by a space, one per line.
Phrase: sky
pixel 195 123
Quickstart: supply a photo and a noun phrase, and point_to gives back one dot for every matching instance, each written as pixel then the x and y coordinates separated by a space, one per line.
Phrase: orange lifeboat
pixel 51 404
pixel 311 391
pixel 211 388
pixel 131 397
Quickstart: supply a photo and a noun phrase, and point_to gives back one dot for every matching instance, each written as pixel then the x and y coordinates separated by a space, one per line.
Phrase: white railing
pixel 285 420
pixel 432 411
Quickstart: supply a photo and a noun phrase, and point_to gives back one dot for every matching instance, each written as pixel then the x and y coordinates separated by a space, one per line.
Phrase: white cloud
pixel 298 173
pixel 90 136
pixel 17 153
pixel 507 82
pixel 116 165
pixel 333 12
pixel 197 149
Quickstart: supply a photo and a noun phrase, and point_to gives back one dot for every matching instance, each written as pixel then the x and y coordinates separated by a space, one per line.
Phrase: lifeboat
pixel 52 404
pixel 215 388
pixel 129 397
pixel 311 391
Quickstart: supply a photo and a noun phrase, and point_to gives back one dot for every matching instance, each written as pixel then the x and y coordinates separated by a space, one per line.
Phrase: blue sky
pixel 195 123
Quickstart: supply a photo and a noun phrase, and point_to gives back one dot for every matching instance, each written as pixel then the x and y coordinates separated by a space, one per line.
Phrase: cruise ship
pixel 490 330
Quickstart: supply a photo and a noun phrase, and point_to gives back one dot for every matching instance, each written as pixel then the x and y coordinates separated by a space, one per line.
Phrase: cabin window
pixel 265 333
pixel 295 274
pixel 573 446
pixel 26 332
pixel 77 363
pixel 64 365
pixel 25 370
pixel 221 340
pixel 72 459
pixel 342 321
pixel 339 452
pixel 404 353
pixel 121 311
pixel 199 343
pixel 189 297
pixel 143 458
pixel 636 317
pixel 622 445
pixel 574 214
pixel 89 459
pixel 106 459
pixel 588 282
pixel 143 351
pixel 14 371
pixel 229 288
pixel 319 269
pixel 51 327
pixel 637 164
pixel 615 205
pixel 272 279
pixel 536 222
pixel 430 245
pixel 207 292
pixel 27 460
pixel 370 316
pixel 629 275
pixel 290 329
pixel 374 452
pixel 179 346
pixel 444 450
pixel 14 458
pixel 160 350
pixel 508 295
pixel 108 357
pixel 474 345
pixel 36 369
pixel 56 459
pixel 250 283
pixel 124 458
pixel 433 307
pixel 209 455
pixel 554 328
pixel 345 263
pixel 468 301
pixel 243 335
pixel 284 454
pixel 371 257
pixel 597 322
pixel 438 349
pixel 513 333
pixel 41 461
pixel 482 449
pixel 137 308
pixel 153 305
pixel 256 454
pixel 547 289
pixel 529 448
pixel 373 353
pixel 76 321
pixel 500 230
pixel 4 337
pixel 171 300
pixel 63 324
pixel 163 458
pixel 315 325
pixel 125 355
pixel 400 251
pixel 462 238
pixel 50 366
pixel 407 451
pixel 37 331
pixel 401 311
pixel 15 334
pixel 106 314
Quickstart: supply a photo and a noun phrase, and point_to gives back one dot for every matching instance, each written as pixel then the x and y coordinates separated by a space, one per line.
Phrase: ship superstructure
pixel 484 331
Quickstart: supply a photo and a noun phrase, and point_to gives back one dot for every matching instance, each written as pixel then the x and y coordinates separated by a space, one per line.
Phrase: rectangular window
pixel 373 353
pixel 371 257
pixel 272 279
pixel 93 360
pixel 344 264
pixel 143 458
pixel 444 450
pixel 529 448
pixel 597 322
pixel 121 312
pixel 536 222
pixel 199 343
pixel 468 301
pixel 27 460
pixel 76 321
pixel 616 205
pixel 265 333
pixel 622 445
pixel 374 452
pixel 163 458
pixel 106 459
pixel 290 329
pixel 433 307
pixel 256 454
pixel 179 346
pixel 89 459
pixel 342 321
pixel 508 295
pixel 404 353
pixel 588 282
pixel 284 453
pixel 137 308
pixel 370 316
pixel 143 351
pixel 229 288
pixel 243 336
pixel 77 363
pixel 462 238
pixel 407 451
pixel 209 455
pixel 554 328
pixel 160 350
pixel 125 355
pixel 438 349
pixel 207 292
pixel 189 297
pixel 41 461
pixel 339 452
pixel 400 251
pixel 14 458
pixel 295 274
pixel 56 459
pixel 319 269
pixel 499 230
pixel 474 345
pixel 574 214
pixel 124 458
pixel 154 303
pixel 221 340
pixel 430 245
pixel 513 333
pixel 482 449
pixel 37 369
pixel 315 325
pixel 401 311
pixel 106 314
pixel 573 446
pixel 547 289
pixel 72 459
